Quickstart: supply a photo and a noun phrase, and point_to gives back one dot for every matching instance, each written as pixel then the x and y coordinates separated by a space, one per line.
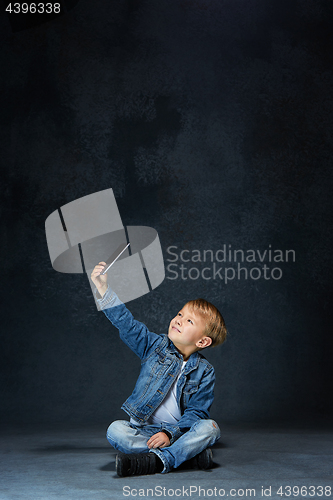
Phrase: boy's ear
pixel 204 342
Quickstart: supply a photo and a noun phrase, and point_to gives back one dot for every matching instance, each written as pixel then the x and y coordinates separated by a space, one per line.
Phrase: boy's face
pixel 186 330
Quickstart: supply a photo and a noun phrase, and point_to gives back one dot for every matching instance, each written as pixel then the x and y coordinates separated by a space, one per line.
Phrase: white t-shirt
pixel 168 411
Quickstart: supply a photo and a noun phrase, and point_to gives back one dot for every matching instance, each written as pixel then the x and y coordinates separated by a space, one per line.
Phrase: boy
pixel 169 407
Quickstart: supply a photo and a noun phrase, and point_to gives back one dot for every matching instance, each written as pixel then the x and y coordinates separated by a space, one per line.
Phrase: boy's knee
pixel 215 429
pixel 114 429
pixel 210 428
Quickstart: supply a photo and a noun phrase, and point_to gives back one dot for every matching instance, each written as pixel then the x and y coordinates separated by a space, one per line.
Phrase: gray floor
pixel 78 463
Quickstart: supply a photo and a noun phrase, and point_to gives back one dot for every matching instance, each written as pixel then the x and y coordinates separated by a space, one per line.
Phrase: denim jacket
pixel 160 364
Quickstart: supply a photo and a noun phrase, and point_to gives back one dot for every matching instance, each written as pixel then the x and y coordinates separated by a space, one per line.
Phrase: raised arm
pixel 134 333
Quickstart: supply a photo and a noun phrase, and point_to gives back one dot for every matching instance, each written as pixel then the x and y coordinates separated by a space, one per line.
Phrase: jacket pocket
pixel 160 364
pixel 190 387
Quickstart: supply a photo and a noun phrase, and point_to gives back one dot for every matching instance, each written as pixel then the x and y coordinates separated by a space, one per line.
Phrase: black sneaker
pixel 135 464
pixel 204 460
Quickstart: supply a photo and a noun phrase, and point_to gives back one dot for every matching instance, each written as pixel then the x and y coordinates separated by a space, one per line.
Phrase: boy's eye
pixel 190 321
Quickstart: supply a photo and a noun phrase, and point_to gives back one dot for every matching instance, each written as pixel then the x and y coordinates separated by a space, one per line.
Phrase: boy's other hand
pixel 158 440
pixel 100 281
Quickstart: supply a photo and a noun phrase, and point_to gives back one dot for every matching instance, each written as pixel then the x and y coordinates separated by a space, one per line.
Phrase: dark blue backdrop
pixel 212 122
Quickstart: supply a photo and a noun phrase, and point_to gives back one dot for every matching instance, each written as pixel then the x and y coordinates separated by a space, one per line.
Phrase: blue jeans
pixel 130 438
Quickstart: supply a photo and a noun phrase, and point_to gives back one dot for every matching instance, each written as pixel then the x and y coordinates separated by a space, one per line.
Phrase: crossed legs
pixel 129 438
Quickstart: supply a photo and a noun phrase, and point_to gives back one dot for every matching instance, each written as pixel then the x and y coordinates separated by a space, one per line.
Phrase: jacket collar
pixel 192 361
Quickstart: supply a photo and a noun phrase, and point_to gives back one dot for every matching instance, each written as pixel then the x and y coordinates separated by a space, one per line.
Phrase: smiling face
pixel 186 330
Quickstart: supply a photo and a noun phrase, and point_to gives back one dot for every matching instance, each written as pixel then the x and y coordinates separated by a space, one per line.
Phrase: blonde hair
pixel 215 325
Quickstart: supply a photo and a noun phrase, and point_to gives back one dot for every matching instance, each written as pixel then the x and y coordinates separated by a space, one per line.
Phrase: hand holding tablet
pixel 99 274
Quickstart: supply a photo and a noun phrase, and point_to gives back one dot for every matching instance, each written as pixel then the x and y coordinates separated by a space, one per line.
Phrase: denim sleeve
pixel 134 333
pixel 197 408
